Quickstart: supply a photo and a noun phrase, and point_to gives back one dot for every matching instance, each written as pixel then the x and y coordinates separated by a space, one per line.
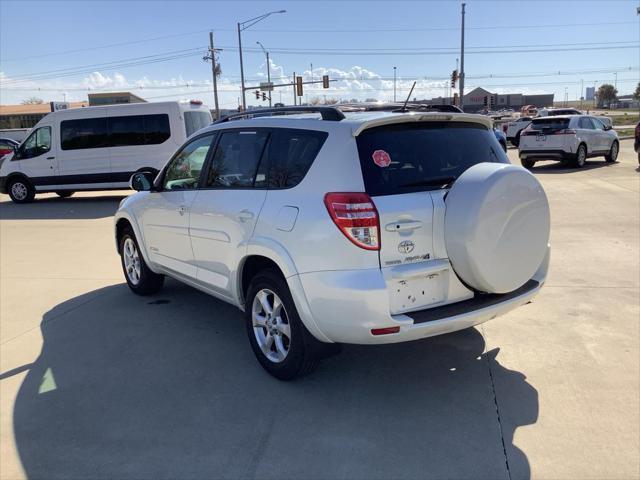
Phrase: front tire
pixel 527 163
pixel 612 156
pixel 140 278
pixel 21 191
pixel 65 193
pixel 581 156
pixel 278 338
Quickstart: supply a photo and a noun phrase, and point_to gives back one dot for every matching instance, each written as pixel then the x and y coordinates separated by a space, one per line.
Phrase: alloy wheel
pixel 131 261
pixel 19 191
pixel 271 325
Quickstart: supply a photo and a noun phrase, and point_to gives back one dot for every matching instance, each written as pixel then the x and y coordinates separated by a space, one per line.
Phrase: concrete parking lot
pixel 96 382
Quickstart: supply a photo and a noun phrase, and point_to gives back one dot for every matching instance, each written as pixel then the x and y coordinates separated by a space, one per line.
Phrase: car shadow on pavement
pixel 560 167
pixel 167 387
pixel 55 208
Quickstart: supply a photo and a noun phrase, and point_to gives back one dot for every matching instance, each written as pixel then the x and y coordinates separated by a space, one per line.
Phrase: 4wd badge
pixel 406 246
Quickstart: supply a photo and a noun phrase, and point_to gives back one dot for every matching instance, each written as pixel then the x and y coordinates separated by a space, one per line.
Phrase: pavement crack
pixel 495 402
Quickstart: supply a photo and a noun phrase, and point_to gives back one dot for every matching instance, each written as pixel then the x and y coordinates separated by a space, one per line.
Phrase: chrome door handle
pixel 182 209
pixel 403 225
pixel 245 215
pixel 50 158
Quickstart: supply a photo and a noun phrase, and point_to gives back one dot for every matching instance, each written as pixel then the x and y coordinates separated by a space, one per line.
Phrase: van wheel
pixel 581 156
pixel 613 153
pixel 278 338
pixel 527 163
pixel 65 193
pixel 21 191
pixel 139 276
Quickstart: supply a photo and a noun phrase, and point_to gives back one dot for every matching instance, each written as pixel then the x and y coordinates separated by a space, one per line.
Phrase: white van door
pixel 84 154
pixel 37 157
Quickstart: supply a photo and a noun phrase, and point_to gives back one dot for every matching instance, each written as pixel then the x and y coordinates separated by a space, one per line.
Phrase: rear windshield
pixel 549 124
pixel 195 120
pixel 410 157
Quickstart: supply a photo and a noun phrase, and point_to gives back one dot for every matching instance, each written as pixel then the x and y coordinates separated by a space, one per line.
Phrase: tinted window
pixel 549 124
pixel 194 121
pixel 183 171
pixel 289 155
pixel 84 133
pixel 417 156
pixel 126 131
pixel 235 161
pixel 37 143
pixel 585 123
pixel 138 130
pixel 597 123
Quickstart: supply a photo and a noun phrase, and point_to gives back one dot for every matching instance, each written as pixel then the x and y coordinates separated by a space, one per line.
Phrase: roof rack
pixel 398 107
pixel 331 114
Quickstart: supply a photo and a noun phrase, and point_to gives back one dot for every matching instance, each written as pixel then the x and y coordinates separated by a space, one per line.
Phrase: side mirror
pixel 141 182
pixel 607 127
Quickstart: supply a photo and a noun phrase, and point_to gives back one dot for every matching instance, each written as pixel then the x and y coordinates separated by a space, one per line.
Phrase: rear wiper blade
pixel 431 182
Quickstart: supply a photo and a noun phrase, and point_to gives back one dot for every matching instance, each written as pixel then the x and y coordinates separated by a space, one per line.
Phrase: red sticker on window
pixel 381 158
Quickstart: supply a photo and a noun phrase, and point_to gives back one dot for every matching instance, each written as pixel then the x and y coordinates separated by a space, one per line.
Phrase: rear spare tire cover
pixel 496 226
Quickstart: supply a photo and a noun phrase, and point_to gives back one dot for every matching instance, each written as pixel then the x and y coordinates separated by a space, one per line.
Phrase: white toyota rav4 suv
pixel 327 227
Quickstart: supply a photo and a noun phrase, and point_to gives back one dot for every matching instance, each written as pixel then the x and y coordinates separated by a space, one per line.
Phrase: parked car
pixel 548 112
pixel 98 148
pixel 7 146
pixel 571 138
pixel 329 227
pixel 501 137
pixel 513 129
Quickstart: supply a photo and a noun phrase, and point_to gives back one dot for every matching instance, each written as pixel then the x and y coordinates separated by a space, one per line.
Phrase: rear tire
pixel 278 338
pixel 527 163
pixel 65 193
pixel 21 191
pixel 581 156
pixel 140 278
pixel 612 156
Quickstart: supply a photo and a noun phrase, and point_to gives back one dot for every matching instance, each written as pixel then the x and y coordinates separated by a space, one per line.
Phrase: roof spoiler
pixel 331 114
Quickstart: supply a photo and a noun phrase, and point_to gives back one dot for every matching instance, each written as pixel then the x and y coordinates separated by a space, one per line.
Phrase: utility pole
pixel 244 97
pixel 394 84
pixel 294 89
pixel 581 92
pixel 212 56
pixel 615 84
pixel 462 62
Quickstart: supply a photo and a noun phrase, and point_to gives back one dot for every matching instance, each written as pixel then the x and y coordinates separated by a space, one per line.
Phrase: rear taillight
pixel 357 218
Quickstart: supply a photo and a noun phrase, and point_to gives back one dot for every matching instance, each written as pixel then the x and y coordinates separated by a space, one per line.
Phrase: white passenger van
pixel 98 148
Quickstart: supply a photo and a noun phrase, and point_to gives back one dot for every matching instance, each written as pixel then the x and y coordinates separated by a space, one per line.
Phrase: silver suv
pixel 329 227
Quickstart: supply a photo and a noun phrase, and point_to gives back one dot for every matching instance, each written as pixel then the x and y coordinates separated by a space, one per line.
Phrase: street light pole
pixel 243 26
pixel 268 68
pixel 462 62
pixel 394 84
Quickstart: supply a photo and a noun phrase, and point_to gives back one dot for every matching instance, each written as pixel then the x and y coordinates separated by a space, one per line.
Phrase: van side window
pixel 138 130
pixel 235 161
pixel 290 154
pixel 84 133
pixel 183 171
pixel 36 144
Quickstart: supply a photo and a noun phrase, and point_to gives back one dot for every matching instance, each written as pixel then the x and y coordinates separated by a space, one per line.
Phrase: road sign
pixel 299 86
pixel 266 86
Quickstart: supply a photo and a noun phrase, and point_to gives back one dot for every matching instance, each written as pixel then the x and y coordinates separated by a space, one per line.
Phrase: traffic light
pixel 325 81
pixel 257 92
pixel 485 101
pixel 454 78
pixel 299 86
pixel 264 96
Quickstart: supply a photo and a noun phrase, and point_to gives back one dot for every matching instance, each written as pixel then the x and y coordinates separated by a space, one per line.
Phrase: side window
pixel 597 124
pixel 36 144
pixel 290 154
pixel 183 170
pixel 235 161
pixel 156 128
pixel 126 131
pixel 84 133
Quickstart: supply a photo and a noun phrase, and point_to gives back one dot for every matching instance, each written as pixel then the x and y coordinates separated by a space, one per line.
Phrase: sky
pixel 62 50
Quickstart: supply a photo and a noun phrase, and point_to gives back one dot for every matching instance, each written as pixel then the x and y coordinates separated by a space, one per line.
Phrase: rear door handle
pixel 403 225
pixel 245 215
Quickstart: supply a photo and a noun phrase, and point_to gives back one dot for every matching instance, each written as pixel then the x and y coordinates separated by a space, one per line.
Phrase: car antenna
pixel 404 107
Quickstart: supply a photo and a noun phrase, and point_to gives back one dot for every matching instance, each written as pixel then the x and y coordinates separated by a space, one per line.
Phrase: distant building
pixel 474 101
pixel 590 93
pixel 26 116
pixel 113 98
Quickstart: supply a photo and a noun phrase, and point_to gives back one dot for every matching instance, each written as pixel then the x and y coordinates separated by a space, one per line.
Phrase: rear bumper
pixel 545 155
pixel 344 306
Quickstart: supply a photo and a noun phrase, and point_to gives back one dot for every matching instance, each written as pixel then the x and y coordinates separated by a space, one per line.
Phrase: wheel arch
pixel 122 220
